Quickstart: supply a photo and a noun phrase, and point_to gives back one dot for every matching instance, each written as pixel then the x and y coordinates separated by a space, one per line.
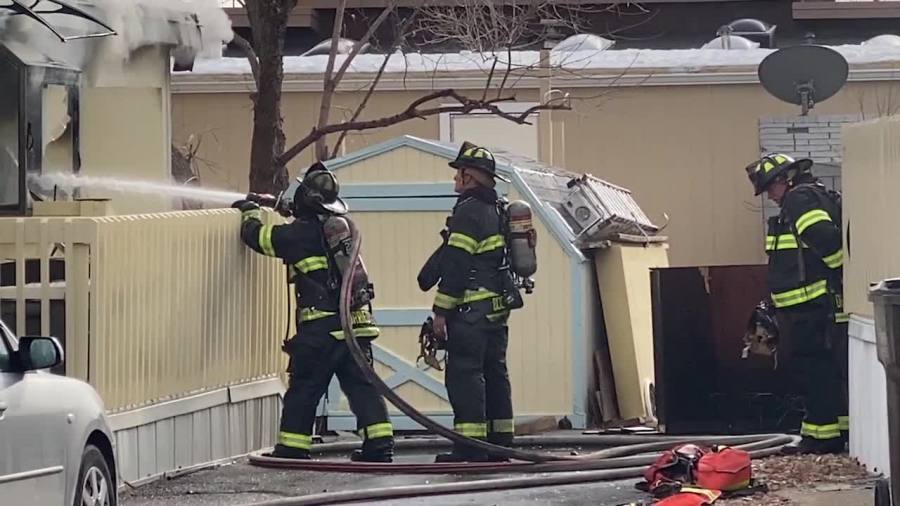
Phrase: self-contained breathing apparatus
pixel 318 191
pixel 519 264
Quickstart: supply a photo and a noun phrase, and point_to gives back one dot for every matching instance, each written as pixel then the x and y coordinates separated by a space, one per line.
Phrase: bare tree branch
pixel 330 85
pixel 363 41
pixel 467 105
pixel 363 104
pixel 245 47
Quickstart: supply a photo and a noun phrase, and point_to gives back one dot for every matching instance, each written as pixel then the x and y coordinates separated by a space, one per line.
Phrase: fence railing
pixel 153 307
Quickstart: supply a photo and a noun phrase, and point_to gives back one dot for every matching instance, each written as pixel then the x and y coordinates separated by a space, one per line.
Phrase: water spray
pixel 70 182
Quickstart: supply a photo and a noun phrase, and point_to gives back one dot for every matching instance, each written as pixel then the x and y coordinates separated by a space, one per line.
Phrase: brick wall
pixel 815 137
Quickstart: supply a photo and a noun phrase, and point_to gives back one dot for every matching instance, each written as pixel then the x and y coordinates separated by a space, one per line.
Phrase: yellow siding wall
pixel 125 127
pixel 623 275
pixel 871 177
pixel 680 149
pixel 397 243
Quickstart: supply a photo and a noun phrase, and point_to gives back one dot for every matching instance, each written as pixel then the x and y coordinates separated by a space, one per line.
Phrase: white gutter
pixel 243 83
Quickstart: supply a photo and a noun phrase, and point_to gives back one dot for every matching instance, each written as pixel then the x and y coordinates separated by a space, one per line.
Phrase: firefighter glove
pixel 245 205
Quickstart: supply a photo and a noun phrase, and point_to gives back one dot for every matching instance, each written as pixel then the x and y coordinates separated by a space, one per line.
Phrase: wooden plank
pixel 609 406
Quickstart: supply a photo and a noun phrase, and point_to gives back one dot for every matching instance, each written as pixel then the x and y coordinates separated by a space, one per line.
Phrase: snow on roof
pixel 672 60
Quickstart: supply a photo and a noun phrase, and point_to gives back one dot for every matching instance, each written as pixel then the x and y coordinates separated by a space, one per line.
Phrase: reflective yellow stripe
pixel 363 326
pixel 810 218
pixel 829 431
pixel 503 425
pixel 252 214
pixel 292 440
pixel 462 242
pixel 767 166
pixel 841 317
pixel 784 241
pixel 800 295
pixel 366 332
pixel 265 240
pixel 476 295
pixel 490 244
pixel 376 430
pixel 844 422
pixel 445 301
pixel 310 264
pixel 836 260
pixel 310 313
pixel 471 429
pixel 495 317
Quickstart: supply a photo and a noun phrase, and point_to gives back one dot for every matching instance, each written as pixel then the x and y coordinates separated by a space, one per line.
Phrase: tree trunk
pixel 268 19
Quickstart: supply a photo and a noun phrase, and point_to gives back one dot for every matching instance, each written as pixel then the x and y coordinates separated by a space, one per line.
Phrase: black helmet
pixel 318 190
pixel 767 169
pixel 474 157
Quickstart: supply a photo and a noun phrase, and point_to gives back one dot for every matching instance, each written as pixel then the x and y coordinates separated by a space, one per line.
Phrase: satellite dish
pixel 804 75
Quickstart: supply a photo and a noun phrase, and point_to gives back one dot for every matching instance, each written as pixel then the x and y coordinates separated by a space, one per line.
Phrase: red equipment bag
pixel 723 468
pixel 717 468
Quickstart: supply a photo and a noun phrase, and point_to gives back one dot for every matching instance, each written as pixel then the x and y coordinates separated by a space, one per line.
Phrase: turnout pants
pixel 477 379
pixel 316 356
pixel 810 358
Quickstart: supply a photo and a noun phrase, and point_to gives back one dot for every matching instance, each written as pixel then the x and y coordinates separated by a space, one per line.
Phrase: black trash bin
pixel 886 297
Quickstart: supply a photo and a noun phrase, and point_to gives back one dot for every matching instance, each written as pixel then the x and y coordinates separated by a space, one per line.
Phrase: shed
pixel 400 193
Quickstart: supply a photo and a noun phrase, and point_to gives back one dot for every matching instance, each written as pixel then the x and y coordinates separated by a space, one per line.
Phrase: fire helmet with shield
pixel 767 169
pixel 318 190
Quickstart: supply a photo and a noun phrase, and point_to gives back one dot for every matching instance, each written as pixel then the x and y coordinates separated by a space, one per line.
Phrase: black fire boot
pixel 286 452
pixel 375 450
pixel 499 439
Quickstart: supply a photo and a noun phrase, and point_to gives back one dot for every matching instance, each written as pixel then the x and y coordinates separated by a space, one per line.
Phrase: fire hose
pixel 627 460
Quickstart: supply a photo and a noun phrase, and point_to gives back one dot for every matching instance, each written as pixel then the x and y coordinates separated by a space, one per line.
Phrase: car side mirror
pixel 39 353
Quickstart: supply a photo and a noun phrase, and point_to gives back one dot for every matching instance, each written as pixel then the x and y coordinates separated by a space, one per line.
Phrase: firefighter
pixel 805 253
pixel 470 310
pixel 318 351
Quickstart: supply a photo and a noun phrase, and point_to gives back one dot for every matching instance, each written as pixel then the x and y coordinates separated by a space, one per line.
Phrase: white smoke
pixel 138 23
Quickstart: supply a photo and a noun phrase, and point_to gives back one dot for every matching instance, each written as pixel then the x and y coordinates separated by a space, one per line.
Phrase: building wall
pixel 125 127
pixel 680 149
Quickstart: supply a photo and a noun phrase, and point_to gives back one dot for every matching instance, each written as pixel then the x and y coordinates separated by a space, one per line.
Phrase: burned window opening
pixel 28 75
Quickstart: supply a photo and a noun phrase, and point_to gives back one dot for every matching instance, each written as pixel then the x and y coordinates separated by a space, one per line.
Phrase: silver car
pixel 55 443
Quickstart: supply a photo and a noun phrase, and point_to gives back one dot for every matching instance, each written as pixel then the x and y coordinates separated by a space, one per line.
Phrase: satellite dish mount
pixel 804 75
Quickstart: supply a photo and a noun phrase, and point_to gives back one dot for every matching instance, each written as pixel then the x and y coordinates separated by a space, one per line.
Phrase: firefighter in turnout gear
pixel 318 351
pixel 805 253
pixel 471 306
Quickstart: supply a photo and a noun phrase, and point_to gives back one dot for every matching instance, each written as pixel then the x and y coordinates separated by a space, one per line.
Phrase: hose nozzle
pixel 280 205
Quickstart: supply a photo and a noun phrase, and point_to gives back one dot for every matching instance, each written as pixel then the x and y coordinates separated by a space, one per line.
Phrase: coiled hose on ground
pixel 618 462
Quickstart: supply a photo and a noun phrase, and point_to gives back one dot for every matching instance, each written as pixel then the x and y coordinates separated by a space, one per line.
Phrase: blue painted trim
pixel 412 317
pixel 580 338
pixel 550 217
pixel 363 205
pixel 397 190
pixel 404 372
pixel 346 421
pixel 404 368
